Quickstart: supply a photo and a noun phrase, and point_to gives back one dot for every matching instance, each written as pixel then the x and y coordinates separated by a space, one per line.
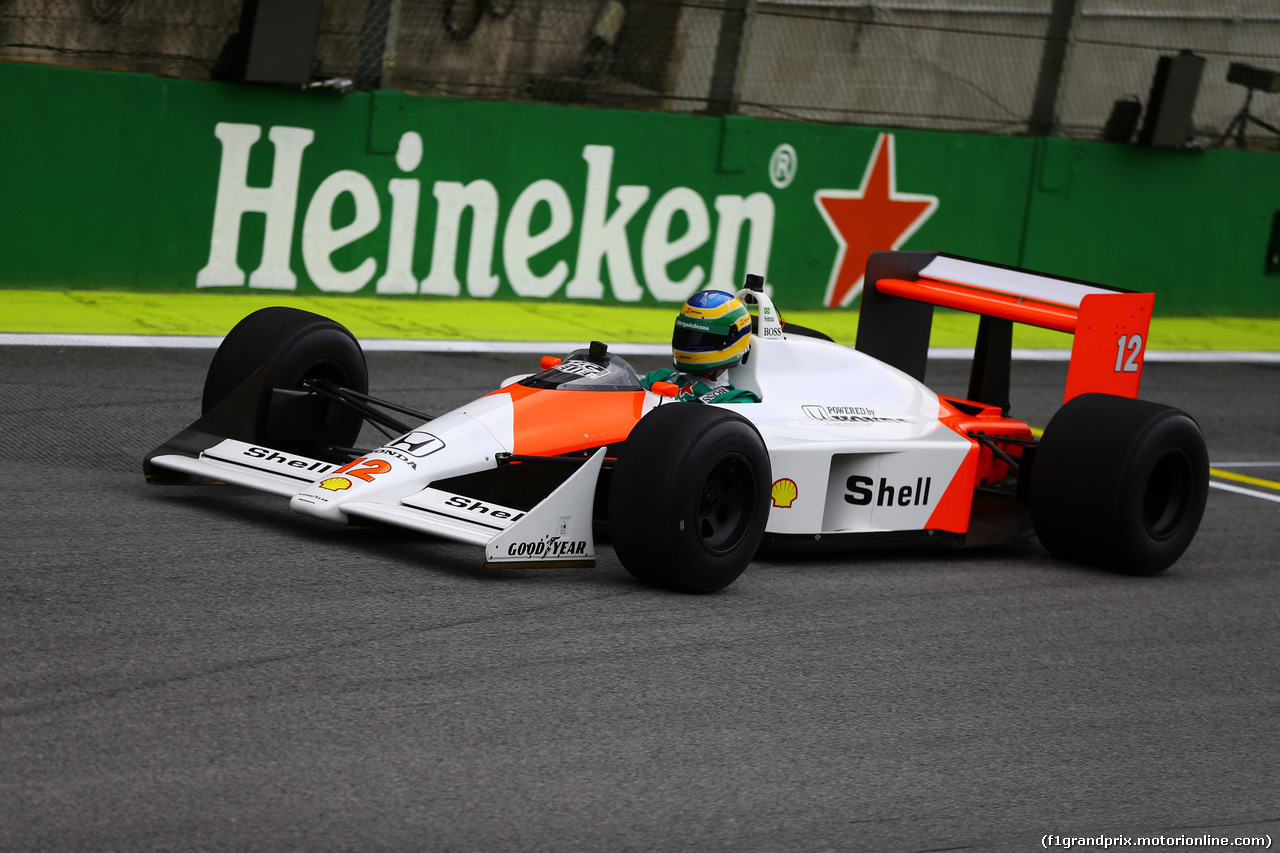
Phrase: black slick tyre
pixel 291 347
pixel 1119 484
pixel 689 497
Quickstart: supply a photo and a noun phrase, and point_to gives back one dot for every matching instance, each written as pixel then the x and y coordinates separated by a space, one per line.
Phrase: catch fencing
pixel 1076 68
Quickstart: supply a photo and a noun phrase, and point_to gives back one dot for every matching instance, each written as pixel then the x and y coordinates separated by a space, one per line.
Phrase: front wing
pixel 556 531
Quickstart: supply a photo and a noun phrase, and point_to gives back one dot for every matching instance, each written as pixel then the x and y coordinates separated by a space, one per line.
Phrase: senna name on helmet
pixel 713 330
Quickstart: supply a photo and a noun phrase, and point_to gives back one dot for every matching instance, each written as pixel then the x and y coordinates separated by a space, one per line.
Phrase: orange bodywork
pixel 543 429
pixel 1110 344
pixel 980 465
pixel 1056 317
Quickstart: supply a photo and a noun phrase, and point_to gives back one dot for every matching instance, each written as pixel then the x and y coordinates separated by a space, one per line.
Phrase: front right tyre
pixel 291 347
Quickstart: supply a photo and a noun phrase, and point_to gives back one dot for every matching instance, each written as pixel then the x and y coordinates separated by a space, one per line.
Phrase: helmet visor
pixel 692 340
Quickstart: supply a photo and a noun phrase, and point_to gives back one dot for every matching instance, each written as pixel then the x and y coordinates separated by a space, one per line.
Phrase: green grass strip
pixel 209 313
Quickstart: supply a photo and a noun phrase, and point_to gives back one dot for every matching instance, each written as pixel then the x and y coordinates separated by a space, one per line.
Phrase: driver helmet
pixel 713 331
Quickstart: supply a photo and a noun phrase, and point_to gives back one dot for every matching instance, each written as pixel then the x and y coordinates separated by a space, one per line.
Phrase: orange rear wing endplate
pixel 1109 325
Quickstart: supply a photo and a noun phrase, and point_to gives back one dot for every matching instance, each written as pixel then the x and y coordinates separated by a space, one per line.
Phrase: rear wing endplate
pixel 1109 325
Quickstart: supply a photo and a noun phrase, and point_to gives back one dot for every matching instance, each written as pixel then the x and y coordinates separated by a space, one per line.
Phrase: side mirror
pixel 665 389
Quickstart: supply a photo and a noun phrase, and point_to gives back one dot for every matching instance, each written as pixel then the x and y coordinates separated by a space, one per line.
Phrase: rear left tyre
pixel 1119 484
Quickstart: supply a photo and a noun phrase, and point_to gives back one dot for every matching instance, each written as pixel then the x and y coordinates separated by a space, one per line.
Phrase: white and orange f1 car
pixel 847 447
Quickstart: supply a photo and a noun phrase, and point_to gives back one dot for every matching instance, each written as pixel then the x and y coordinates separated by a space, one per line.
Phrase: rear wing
pixel 1109 325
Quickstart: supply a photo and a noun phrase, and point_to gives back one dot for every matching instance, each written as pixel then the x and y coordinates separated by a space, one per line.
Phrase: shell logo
pixel 335 484
pixel 784 493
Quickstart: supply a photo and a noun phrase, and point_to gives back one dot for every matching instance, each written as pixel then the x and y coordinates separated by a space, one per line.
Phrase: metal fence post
pixel 731 52
pixel 1057 44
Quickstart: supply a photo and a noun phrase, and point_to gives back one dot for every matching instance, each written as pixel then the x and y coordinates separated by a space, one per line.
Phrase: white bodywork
pixel 860 443
pixel 831 416
pixel 391 484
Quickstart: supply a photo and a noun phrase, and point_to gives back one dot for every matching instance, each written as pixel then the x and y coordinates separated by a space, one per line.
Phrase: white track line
pixel 1227 487
pixel 391 345
pixel 163 341
pixel 1244 464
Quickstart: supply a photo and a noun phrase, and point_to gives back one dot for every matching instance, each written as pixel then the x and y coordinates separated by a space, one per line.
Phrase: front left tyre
pixel 689 497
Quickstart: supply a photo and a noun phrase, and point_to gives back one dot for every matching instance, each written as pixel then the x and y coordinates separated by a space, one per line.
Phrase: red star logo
pixel 872 218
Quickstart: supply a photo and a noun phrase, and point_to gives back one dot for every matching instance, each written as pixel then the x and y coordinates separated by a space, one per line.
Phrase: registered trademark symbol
pixel 782 166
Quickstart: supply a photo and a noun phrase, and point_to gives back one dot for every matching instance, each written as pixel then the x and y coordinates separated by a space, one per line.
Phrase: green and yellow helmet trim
pixel 713 330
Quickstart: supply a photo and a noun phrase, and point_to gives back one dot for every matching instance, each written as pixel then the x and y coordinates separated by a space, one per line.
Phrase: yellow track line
pixel 1243 478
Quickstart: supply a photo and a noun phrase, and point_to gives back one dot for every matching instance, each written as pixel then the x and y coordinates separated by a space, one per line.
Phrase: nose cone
pixel 461 442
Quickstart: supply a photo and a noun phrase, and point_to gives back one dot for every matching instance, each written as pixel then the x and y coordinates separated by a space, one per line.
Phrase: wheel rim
pixel 313 424
pixel 1168 494
pixel 725 504
pixel 334 417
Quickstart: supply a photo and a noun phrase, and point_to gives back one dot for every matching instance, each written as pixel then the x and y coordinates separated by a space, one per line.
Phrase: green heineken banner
pixel 126 181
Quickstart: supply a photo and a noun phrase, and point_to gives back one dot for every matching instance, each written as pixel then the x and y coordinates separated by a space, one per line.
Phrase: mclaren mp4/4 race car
pixel 846 446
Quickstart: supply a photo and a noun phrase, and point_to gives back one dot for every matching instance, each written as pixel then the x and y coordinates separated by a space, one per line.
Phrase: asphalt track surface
pixel 197 669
